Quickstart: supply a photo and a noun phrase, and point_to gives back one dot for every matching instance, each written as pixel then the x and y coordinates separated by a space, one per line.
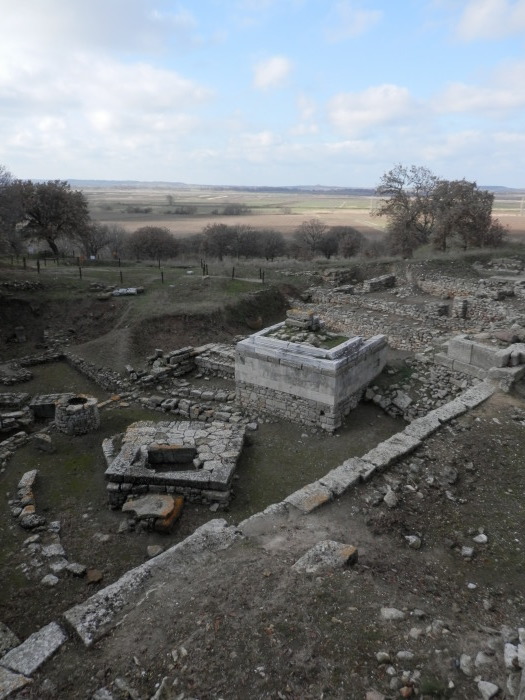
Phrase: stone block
pixel 471 370
pixel 483 356
pixel 326 555
pixel 150 506
pixel 476 394
pixel 11 682
pixel 448 411
pixel 340 479
pixel 35 650
pixel 309 497
pixel 460 349
pixel 421 428
pixel 389 451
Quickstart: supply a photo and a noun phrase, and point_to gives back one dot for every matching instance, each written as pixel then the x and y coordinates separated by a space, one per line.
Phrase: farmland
pixel 139 204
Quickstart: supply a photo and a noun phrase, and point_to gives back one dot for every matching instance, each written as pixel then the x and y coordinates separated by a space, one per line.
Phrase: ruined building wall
pixel 310 386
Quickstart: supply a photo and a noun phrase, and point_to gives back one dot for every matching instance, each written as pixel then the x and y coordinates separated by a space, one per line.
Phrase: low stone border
pixel 357 469
pixel 93 618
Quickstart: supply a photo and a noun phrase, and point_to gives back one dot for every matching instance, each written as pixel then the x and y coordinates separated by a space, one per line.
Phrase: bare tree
pixel 407 204
pixel 153 242
pixel 53 210
pixel 309 235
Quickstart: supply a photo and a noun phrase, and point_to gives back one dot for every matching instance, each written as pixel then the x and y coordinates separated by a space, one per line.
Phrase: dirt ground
pixel 243 624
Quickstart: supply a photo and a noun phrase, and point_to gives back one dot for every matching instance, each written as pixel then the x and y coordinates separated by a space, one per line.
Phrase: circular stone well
pixel 77 415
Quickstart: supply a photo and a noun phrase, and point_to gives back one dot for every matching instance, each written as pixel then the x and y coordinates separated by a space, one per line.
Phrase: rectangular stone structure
pixel 303 383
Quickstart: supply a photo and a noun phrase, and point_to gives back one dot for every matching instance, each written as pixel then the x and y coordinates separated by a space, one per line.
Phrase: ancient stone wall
pixel 325 384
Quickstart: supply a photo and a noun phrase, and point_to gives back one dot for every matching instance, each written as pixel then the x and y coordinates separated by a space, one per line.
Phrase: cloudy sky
pixel 262 92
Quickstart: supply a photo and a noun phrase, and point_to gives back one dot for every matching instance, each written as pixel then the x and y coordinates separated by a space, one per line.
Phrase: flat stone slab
pixel 389 451
pixel 35 650
pixel 348 474
pixel 477 394
pixel 310 497
pixel 449 410
pixel 326 555
pixel 153 505
pixel 11 682
pixel 421 428
pixel 98 614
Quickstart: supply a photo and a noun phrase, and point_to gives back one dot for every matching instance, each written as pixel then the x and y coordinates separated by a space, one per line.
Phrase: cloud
pixel 271 72
pixel 356 112
pixel 348 21
pixel 70 85
pixel 498 96
pixel 491 19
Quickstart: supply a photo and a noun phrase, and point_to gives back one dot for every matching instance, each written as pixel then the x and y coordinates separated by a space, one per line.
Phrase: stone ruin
pixel 303 383
pixel 77 415
pixel 495 356
pixel 188 458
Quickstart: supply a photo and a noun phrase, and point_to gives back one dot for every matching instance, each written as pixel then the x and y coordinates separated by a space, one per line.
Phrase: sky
pixel 262 92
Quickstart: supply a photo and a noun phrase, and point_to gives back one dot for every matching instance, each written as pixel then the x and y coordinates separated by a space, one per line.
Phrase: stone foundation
pixel 154 457
pixel 303 383
pixel 295 409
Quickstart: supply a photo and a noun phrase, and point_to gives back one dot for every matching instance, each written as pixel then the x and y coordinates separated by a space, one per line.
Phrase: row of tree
pixel 421 208
pixel 312 238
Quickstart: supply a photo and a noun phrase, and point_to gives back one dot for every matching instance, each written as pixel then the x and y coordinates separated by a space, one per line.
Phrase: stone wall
pixel 106 378
pixel 294 408
pixel 271 375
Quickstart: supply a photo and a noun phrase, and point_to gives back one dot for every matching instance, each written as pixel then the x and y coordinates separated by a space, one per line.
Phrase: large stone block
pixel 459 348
pixel 309 497
pixel 389 451
pixel 35 650
pixel 483 356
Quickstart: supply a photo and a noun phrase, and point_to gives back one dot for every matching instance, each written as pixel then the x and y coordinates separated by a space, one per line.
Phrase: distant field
pixel 281 211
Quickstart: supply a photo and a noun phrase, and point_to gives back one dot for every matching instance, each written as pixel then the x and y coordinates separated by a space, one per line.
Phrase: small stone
pixel 467 552
pixel 465 664
pixel 76 569
pixel 413 541
pixel 58 565
pixel 94 576
pixel 154 550
pixel 488 690
pixel 43 442
pixel 374 695
pixel 50 580
pixel 405 655
pixel 482 659
pixel 383 657
pixel 53 550
pixel 392 614
pixel 101 537
pixel 390 498
pixel 510 656
pixel 481 539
